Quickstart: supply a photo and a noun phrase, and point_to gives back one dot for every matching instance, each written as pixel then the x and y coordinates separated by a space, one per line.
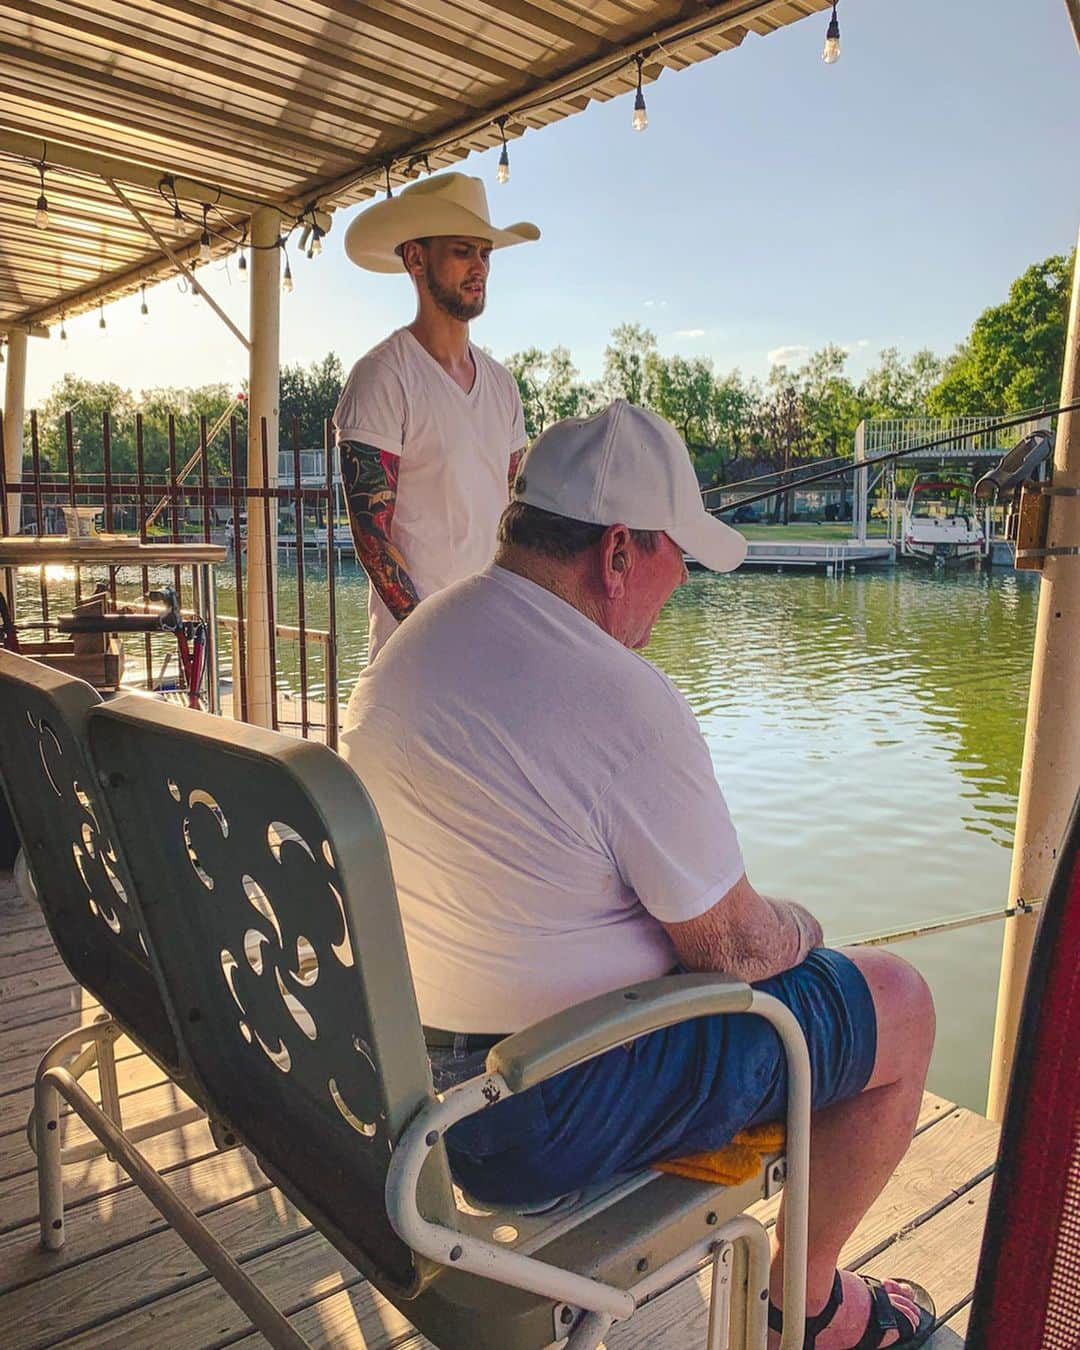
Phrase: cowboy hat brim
pixel 375 234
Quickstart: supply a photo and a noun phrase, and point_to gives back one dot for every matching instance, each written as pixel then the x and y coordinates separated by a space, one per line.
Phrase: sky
pixel 774 204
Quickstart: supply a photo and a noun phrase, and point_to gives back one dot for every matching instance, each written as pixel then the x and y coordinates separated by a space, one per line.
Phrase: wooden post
pixel 1050 773
pixel 262 404
pixel 14 416
pixel 861 504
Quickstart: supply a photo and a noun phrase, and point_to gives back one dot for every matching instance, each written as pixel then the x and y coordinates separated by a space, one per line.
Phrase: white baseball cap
pixel 626 466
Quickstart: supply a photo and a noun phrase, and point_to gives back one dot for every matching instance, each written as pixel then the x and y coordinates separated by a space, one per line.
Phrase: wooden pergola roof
pixel 295 103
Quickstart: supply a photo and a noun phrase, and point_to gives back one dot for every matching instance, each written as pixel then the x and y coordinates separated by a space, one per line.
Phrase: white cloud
pixel 656 304
pixel 782 356
pixel 690 332
pixel 858 345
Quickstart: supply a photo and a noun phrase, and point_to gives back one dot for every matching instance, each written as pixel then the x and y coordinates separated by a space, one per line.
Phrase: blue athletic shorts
pixel 682 1090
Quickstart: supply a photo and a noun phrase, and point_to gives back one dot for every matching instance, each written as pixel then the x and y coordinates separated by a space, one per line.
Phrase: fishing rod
pixel 853 465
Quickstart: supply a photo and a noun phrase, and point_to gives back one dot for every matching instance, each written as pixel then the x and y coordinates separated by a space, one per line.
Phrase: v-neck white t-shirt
pixel 548 801
pixel 454 451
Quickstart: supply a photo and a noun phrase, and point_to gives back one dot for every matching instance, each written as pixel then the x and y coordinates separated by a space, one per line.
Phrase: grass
pixel 809 532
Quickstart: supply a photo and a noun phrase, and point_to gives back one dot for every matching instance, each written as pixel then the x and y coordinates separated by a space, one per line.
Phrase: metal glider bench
pixel 259 875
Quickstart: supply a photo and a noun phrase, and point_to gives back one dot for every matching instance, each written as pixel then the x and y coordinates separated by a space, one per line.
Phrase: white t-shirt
pixel 454 450
pixel 547 798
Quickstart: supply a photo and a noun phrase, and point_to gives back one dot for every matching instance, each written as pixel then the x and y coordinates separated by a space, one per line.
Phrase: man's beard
pixel 457 306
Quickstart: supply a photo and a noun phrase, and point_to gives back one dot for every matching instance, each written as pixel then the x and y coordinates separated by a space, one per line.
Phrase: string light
pixel 286 280
pixel 831 52
pixel 1 353
pixel 63 330
pixel 143 309
pixel 241 265
pixel 101 316
pixel 316 242
pixel 640 119
pixel 502 173
pixel 389 189
pixel 204 242
pixel 41 212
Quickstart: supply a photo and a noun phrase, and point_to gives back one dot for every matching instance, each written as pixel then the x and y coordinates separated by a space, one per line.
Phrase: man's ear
pixel 412 256
pixel 616 560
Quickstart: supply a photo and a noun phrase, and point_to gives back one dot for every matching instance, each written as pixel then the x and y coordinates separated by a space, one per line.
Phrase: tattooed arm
pixel 515 464
pixel 370 478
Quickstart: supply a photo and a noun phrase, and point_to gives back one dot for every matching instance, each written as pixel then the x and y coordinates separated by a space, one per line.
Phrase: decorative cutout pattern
pixel 291 987
pixel 91 851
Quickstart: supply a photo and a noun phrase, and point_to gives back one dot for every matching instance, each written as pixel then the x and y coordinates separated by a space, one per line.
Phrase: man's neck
pixel 443 337
pixel 561 579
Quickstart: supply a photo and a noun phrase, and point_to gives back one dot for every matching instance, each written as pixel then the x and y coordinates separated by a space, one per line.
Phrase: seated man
pixel 556 831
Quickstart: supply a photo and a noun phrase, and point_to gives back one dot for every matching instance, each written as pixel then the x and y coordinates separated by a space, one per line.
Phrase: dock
pixel 124 1278
pixel 807 554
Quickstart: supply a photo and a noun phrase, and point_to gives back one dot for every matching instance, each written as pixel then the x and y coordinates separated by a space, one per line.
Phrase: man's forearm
pixel 747 935
pixel 370 479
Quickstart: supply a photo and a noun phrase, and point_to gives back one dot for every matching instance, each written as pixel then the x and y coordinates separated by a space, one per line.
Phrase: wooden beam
pixel 180 57
pixel 124 171
pixel 296 44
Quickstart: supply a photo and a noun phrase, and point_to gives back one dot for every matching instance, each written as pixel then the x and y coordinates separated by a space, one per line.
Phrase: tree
pixel 682 390
pixel 550 387
pixel 1013 356
pixel 779 426
pixel 310 394
pixel 831 406
pixel 627 363
pixel 895 388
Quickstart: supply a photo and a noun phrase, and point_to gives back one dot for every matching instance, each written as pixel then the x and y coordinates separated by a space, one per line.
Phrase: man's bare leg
pixel 855 1145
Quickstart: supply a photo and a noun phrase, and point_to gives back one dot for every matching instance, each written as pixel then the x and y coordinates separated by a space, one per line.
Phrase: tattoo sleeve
pixel 515 464
pixel 370 479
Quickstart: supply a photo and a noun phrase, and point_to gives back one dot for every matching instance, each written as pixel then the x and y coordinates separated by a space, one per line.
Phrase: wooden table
pixel 127 550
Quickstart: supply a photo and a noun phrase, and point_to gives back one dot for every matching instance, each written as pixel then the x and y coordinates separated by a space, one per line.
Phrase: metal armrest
pixel 580 1033
pixel 586 1030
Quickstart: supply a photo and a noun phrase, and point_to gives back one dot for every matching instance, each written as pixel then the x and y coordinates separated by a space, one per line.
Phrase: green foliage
pixel 87 401
pixel 1013 356
pixel 627 363
pixel 310 394
pixel 550 387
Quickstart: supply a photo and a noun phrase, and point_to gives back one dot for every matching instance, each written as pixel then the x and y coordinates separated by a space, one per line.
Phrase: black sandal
pixel 884 1317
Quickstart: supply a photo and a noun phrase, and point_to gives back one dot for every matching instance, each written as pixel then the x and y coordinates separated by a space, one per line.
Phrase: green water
pixel 867 731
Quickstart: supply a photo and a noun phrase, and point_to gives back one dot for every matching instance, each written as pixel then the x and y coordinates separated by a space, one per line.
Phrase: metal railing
pixel 183 501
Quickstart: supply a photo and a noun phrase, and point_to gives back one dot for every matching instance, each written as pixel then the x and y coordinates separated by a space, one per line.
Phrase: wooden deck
pixel 125 1279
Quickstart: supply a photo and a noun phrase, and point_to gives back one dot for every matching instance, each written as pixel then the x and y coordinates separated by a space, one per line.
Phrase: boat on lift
pixel 940 526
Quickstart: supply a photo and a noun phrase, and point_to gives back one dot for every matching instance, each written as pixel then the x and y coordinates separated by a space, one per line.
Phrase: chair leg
pixel 718 1337
pixel 237 1284
pixel 46 1131
pixel 590 1332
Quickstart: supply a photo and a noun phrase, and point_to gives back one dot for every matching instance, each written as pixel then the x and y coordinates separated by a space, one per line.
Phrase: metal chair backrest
pixel 1027 1292
pixel 269 901
pixel 82 884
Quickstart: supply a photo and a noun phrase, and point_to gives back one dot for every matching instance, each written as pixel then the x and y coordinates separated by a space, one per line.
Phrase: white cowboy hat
pixel 452 203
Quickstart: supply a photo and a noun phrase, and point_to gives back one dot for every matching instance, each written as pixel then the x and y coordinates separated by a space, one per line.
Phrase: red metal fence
pixel 185 503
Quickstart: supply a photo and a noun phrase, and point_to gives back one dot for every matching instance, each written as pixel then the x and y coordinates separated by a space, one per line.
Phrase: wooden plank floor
pixel 125 1279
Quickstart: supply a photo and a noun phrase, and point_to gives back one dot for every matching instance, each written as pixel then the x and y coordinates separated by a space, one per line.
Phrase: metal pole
pixel 14 416
pixel 1051 766
pixel 861 484
pixel 262 406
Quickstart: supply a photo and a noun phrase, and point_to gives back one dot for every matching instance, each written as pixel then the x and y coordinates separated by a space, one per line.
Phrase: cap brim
pixel 712 543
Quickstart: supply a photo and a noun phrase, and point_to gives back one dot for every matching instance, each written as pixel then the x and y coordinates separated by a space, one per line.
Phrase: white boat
pixel 940 526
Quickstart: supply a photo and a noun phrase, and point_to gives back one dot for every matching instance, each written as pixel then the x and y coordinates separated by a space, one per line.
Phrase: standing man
pixel 430 429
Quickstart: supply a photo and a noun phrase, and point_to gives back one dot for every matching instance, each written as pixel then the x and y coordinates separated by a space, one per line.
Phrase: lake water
pixel 867 731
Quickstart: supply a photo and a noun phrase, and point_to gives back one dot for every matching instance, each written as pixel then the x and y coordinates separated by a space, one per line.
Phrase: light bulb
pixel 177 222
pixel 41 214
pixel 502 173
pixel 242 266
pixel 287 282
pixel 204 247
pixel 101 322
pixel 144 312
pixel 316 243
pixel 194 293
pixel 641 118
pixel 63 332
pixel 831 51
